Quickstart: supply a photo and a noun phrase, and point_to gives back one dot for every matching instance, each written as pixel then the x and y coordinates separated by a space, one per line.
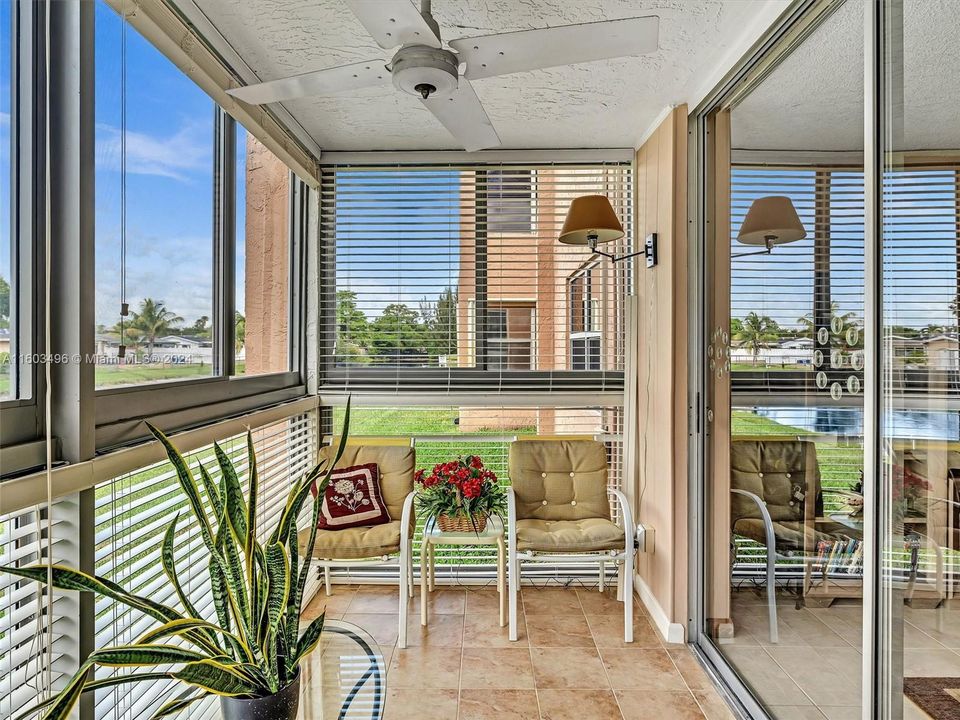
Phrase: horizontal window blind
pixel 132 515
pixel 33 643
pixel 920 275
pixel 441 434
pixel 453 275
pixel 796 314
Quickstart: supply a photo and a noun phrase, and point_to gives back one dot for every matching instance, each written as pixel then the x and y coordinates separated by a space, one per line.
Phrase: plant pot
pixel 462 523
pixel 282 705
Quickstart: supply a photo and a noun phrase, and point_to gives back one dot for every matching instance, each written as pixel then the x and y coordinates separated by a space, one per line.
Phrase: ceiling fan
pixel 423 67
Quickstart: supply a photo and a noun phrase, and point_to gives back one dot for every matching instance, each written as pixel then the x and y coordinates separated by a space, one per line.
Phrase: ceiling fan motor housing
pixel 424 71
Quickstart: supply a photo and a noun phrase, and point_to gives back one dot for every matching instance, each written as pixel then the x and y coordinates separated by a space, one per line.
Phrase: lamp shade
pixel 771 220
pixel 590 215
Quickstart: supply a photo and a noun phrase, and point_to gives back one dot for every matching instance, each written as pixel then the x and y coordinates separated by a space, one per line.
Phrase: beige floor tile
pixel 842 713
pixel 559 631
pixel 380 626
pixel 336 603
pixel 578 704
pixel 592 600
pixel 442 601
pixel 496 668
pixel 641 669
pixel 486 599
pixel 931 663
pixel 375 599
pixel 411 704
pixel 712 705
pixel 607 630
pixel 827 676
pixel 765 676
pixel 496 705
pixel 568 668
pixel 796 712
pixel 658 705
pixel 482 629
pixel 551 601
pixel 441 631
pixel 424 668
pixel 690 669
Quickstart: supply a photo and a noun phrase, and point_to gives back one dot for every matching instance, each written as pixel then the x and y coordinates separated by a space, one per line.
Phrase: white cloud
pixel 177 156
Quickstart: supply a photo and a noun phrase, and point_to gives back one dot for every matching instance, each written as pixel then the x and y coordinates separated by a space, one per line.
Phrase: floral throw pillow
pixel 353 499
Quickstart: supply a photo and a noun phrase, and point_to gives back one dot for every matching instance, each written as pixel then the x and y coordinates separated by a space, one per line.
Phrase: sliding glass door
pixel 829 481
pixel 918 454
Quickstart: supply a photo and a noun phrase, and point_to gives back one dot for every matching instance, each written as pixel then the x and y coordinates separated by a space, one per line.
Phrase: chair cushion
pixel 396 464
pixel 789 535
pixel 354 543
pixel 569 535
pixel 352 499
pixel 560 479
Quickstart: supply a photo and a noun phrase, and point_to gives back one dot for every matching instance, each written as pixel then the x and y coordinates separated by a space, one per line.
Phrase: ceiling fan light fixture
pixel 423 71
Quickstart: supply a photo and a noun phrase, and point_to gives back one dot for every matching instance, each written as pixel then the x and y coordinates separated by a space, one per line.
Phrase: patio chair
pixel 778 502
pixel 558 512
pixel 390 544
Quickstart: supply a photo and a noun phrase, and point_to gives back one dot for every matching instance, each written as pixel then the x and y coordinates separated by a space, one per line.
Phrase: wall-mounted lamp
pixel 770 221
pixel 591 221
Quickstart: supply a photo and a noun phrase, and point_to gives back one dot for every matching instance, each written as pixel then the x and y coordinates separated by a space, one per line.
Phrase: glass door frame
pixel 791 27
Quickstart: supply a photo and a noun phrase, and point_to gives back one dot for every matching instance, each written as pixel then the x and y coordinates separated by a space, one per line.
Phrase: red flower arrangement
pixel 460 494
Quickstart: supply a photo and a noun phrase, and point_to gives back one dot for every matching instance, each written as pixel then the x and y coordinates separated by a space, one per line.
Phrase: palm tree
pixel 756 332
pixel 806 321
pixel 153 321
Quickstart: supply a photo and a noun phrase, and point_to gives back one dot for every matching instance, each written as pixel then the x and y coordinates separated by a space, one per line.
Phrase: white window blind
pixel 920 276
pixel 441 434
pixel 132 515
pixel 31 640
pixel 797 313
pixel 452 277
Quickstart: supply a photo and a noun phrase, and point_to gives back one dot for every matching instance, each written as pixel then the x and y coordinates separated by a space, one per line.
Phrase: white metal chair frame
pixel 622 558
pixel 403 560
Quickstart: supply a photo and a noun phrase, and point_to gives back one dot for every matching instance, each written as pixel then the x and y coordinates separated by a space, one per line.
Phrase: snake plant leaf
pixel 259 590
pixel 188 484
pixel 168 562
pixel 234 503
pixel 172 707
pixel 216 678
pixel 212 490
pixel 253 490
pixel 66 578
pixel 185 625
pixel 308 641
pixel 278 587
pixel 296 498
pixel 218 587
pixel 93 685
pixel 135 655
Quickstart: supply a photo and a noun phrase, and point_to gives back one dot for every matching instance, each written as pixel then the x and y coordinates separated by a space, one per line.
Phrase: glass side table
pixel 433 536
pixel 345 678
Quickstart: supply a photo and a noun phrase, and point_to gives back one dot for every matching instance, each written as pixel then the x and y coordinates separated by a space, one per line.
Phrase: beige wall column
pixel 661 367
pixel 267 250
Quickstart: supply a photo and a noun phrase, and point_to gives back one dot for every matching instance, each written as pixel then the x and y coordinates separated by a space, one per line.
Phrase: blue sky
pixel 5 53
pixel 169 165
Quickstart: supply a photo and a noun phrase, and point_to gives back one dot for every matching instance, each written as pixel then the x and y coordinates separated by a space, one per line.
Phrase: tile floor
pixel 814 672
pixel 569 663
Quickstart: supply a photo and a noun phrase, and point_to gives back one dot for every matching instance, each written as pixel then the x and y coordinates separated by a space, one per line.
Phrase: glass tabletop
pixel 345 677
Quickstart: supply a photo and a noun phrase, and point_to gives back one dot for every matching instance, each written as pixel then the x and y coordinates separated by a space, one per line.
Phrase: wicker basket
pixel 462 523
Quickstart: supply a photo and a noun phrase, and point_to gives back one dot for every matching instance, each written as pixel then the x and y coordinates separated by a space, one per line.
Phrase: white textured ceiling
pixel 813 100
pixel 602 104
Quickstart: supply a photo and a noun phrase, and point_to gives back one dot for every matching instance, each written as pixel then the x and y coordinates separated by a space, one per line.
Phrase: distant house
pixel 943 352
pixel 168 349
pixel 4 340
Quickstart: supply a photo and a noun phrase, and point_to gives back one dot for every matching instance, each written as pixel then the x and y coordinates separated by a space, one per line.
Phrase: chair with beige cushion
pixel 389 544
pixel 777 500
pixel 558 509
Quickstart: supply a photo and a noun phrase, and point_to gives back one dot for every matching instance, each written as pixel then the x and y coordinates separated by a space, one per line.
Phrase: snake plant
pixel 253 647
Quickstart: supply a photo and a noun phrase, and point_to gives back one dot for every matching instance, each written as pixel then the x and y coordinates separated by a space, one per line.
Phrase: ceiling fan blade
pixel 394 22
pixel 507 53
pixel 319 82
pixel 464 117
